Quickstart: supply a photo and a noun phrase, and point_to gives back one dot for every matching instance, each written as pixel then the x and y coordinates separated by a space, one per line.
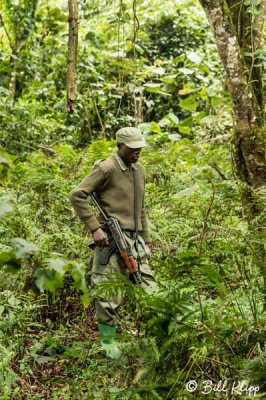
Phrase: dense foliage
pixel 207 321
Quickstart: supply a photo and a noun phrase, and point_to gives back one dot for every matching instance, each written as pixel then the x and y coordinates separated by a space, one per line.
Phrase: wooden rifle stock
pixel 129 261
pixel 132 266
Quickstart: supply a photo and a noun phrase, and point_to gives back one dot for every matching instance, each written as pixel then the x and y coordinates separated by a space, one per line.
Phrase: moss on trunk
pixel 238 34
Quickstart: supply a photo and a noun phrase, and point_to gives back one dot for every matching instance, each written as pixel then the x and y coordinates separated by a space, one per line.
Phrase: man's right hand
pixel 100 238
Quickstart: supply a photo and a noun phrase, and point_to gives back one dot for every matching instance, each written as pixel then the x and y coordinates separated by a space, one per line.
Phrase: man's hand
pixel 100 238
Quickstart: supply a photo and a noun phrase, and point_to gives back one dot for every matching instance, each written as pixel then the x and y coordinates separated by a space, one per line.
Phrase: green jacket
pixel 113 182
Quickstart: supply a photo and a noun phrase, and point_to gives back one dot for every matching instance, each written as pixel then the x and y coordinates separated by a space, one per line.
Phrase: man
pixel 119 183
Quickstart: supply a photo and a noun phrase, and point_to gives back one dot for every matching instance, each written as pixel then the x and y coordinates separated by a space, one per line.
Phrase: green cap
pixel 131 137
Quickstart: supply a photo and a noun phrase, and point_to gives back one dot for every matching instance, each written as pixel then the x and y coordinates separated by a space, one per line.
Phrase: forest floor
pixel 64 361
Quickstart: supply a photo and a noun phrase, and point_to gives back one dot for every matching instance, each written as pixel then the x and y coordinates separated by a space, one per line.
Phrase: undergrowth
pixel 205 323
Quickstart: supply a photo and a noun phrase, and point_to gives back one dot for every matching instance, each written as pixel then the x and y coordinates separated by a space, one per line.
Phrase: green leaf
pixel 6 256
pixel 155 128
pixel 48 280
pixel 216 101
pixel 13 266
pixel 4 161
pixel 23 248
pixel 128 46
pixel 184 129
pixel 153 87
pixel 186 192
pixel 169 79
pixel 165 94
pixel 138 48
pixel 192 56
pixel 8 260
pixel 85 299
pixel 199 116
pixel 145 127
pixel 174 137
pixel 13 300
pixel 185 125
pixel 78 273
pixel 210 119
pixel 158 70
pixel 58 265
pixel 173 118
pixel 189 103
pixel 186 122
pixel 186 71
pixel 149 127
pixel 44 359
pixel 164 122
pixel 5 208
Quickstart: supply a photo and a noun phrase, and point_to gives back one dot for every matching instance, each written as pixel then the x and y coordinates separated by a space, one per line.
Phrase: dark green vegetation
pixel 207 322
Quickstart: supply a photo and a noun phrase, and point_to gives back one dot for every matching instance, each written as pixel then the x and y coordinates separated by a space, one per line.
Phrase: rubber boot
pixel 107 340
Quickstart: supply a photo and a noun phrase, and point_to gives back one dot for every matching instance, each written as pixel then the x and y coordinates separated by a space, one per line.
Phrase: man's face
pixel 128 155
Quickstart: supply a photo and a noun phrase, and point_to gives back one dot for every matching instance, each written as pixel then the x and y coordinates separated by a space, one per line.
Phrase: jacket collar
pixel 121 163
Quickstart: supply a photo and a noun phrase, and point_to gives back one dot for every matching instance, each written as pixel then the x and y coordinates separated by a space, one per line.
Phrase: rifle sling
pixel 136 214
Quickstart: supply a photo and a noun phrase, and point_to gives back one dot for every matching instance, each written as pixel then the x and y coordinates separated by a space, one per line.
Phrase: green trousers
pixel 107 305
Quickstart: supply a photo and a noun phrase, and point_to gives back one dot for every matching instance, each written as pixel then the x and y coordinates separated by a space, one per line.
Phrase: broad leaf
pixel 48 280
pixel 23 248
pixel 192 56
pixel 189 103
pixel 186 192
pixel 58 265
pixel 5 208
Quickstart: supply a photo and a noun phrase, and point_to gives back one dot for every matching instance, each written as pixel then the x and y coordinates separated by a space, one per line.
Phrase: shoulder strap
pixel 135 202
pixel 136 233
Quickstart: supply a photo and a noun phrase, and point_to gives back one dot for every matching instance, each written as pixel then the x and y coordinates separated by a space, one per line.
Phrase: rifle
pixel 119 244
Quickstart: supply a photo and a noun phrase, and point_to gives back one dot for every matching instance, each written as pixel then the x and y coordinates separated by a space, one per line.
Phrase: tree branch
pixel 2 22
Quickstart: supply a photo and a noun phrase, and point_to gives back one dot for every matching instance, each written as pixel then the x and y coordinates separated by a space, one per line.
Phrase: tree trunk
pixel 237 28
pixel 72 55
pixel 249 119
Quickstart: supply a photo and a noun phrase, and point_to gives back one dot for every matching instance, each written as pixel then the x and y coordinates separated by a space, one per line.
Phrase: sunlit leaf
pixel 174 137
pixel 58 265
pixel 153 87
pixel 192 56
pixel 186 192
pixel 5 208
pixel 184 92
pixel 210 119
pixel 48 280
pixel 173 118
pixel 23 248
pixel 158 70
pixel 4 161
pixel 150 127
pixel 189 103
pixel 186 71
